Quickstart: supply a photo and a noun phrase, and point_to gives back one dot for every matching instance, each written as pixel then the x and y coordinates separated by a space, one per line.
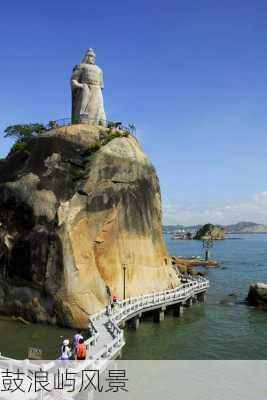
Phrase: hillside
pixel 246 227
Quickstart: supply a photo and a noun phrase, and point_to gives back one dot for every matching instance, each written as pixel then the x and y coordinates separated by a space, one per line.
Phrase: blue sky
pixel 191 75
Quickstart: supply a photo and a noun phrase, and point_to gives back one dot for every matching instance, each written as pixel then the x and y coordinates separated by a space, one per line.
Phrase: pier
pixel 108 340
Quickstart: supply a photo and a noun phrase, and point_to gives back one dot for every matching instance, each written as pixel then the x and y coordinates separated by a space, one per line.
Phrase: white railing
pixel 123 311
pixel 123 308
pixel 127 308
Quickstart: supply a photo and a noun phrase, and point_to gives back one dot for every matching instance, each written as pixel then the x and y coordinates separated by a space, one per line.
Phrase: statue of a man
pixel 87 85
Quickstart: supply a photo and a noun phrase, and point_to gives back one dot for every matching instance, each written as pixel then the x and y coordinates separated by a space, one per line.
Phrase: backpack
pixel 81 350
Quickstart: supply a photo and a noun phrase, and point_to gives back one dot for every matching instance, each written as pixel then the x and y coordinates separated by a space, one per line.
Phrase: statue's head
pixel 89 57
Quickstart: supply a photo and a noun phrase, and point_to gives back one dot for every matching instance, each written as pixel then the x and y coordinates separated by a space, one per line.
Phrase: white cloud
pixel 253 209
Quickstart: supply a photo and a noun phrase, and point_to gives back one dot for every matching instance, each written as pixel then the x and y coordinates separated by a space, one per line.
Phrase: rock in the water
pixel 257 295
pixel 75 206
pixel 230 299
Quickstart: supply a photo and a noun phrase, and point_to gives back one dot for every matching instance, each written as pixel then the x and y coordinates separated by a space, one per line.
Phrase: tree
pixel 207 244
pixel 22 134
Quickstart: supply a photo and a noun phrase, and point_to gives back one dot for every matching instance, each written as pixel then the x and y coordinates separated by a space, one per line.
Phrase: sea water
pixel 223 328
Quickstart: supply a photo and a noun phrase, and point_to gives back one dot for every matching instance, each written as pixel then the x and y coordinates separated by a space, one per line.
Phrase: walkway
pixel 108 341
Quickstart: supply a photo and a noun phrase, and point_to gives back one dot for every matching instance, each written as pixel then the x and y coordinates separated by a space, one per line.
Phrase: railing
pixel 127 308
pixel 95 335
pixel 133 305
pixel 157 297
pixel 109 124
pixel 123 310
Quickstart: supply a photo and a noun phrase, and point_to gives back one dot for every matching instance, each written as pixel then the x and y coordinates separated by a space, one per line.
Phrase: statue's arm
pixel 76 84
pixel 75 78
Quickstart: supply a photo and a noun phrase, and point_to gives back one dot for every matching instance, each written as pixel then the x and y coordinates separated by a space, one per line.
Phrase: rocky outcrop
pixel 210 231
pixel 257 295
pixel 75 206
pixel 193 262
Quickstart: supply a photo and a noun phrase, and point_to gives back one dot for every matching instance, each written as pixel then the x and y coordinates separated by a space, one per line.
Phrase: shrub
pixel 18 146
pixel 113 124
pixel 112 135
pixel 91 150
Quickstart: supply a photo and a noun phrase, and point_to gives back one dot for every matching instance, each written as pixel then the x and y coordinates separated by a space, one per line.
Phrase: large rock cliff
pixel 75 205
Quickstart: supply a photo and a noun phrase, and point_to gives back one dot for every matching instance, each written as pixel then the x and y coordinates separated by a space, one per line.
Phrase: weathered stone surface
pixel 72 212
pixel 257 295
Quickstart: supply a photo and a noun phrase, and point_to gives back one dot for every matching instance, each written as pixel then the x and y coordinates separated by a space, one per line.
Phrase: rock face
pixel 257 295
pixel 75 206
pixel 210 231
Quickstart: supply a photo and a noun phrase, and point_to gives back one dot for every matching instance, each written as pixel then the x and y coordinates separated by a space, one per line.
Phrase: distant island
pixel 205 232
pixel 210 231
pixel 240 228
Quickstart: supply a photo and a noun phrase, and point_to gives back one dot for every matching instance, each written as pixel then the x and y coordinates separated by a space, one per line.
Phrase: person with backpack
pixel 75 341
pixel 81 351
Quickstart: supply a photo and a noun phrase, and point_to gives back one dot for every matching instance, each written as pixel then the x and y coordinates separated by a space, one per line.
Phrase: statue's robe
pixel 87 102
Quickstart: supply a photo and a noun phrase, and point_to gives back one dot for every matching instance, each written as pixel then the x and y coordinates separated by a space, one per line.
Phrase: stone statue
pixel 87 99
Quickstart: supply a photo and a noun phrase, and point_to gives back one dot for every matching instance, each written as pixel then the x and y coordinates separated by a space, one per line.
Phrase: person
pixel 81 350
pixel 65 350
pixel 108 293
pixel 76 339
pixel 115 298
pixel 109 309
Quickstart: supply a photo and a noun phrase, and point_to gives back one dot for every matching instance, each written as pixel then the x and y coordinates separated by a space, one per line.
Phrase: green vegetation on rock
pixel 106 137
pixel 92 149
pixel 113 134
pixel 23 133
